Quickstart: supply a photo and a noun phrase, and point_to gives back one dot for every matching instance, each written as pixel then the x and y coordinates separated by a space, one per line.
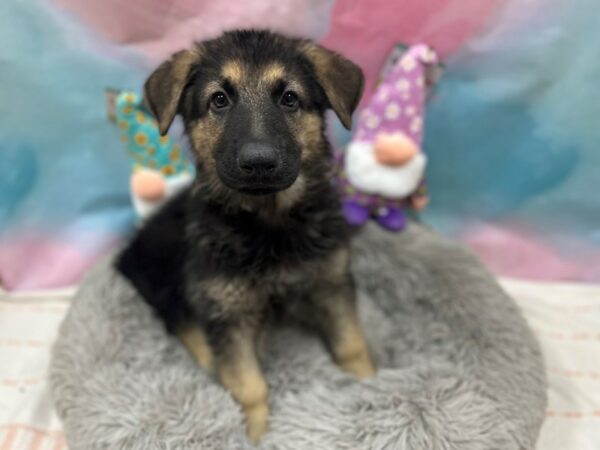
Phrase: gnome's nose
pixel 395 149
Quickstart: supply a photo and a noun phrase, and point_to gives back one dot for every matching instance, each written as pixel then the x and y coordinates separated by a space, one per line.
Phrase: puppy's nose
pixel 258 159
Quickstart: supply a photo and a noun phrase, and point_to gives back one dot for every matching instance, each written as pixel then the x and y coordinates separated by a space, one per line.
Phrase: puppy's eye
pixel 219 100
pixel 289 100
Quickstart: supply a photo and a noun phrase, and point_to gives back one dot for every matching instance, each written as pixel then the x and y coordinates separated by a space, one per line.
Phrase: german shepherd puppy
pixel 260 232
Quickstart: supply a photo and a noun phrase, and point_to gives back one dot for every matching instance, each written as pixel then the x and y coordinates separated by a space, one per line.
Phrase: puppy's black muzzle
pixel 260 169
pixel 259 161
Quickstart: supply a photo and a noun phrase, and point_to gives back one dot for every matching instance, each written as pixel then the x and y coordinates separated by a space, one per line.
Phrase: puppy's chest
pixel 280 253
pixel 281 285
pixel 292 280
pixel 241 264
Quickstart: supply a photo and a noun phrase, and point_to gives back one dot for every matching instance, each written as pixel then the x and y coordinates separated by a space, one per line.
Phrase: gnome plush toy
pixel 383 167
pixel 160 169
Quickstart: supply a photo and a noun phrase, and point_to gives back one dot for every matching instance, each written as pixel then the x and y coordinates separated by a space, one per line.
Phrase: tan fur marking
pixel 194 340
pixel 272 73
pixel 240 373
pixel 235 295
pixel 309 135
pixel 245 381
pixel 296 86
pixel 287 198
pixel 338 264
pixel 204 136
pixel 350 350
pixel 340 324
pixel 211 87
pixel 233 71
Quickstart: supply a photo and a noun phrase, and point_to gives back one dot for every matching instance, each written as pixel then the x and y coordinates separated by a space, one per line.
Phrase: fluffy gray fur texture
pixel 458 366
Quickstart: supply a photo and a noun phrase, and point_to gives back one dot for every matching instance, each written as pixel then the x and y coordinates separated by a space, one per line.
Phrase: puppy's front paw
pixel 359 365
pixel 256 421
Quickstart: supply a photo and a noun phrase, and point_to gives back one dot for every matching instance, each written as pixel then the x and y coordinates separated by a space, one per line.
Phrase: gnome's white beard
pixel 174 185
pixel 369 175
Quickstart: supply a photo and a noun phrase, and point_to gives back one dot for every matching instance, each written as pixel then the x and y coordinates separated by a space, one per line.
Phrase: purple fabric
pixel 398 103
pixel 392 219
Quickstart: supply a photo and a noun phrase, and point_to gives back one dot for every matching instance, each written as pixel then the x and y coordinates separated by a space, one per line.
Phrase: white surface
pixel 28 326
pixel 566 319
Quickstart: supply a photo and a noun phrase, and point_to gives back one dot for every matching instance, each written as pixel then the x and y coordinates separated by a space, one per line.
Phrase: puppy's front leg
pixel 194 339
pixel 340 327
pixel 238 369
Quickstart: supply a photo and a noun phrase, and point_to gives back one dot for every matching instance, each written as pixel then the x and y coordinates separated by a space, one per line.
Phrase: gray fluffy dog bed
pixel 458 367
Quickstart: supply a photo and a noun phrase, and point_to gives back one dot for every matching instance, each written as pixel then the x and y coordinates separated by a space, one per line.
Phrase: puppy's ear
pixel 341 80
pixel 164 87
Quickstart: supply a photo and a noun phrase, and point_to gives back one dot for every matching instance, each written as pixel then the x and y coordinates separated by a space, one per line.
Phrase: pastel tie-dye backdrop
pixel 512 133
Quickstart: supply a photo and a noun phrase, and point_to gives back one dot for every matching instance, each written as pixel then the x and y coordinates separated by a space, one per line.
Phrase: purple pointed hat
pixel 398 104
